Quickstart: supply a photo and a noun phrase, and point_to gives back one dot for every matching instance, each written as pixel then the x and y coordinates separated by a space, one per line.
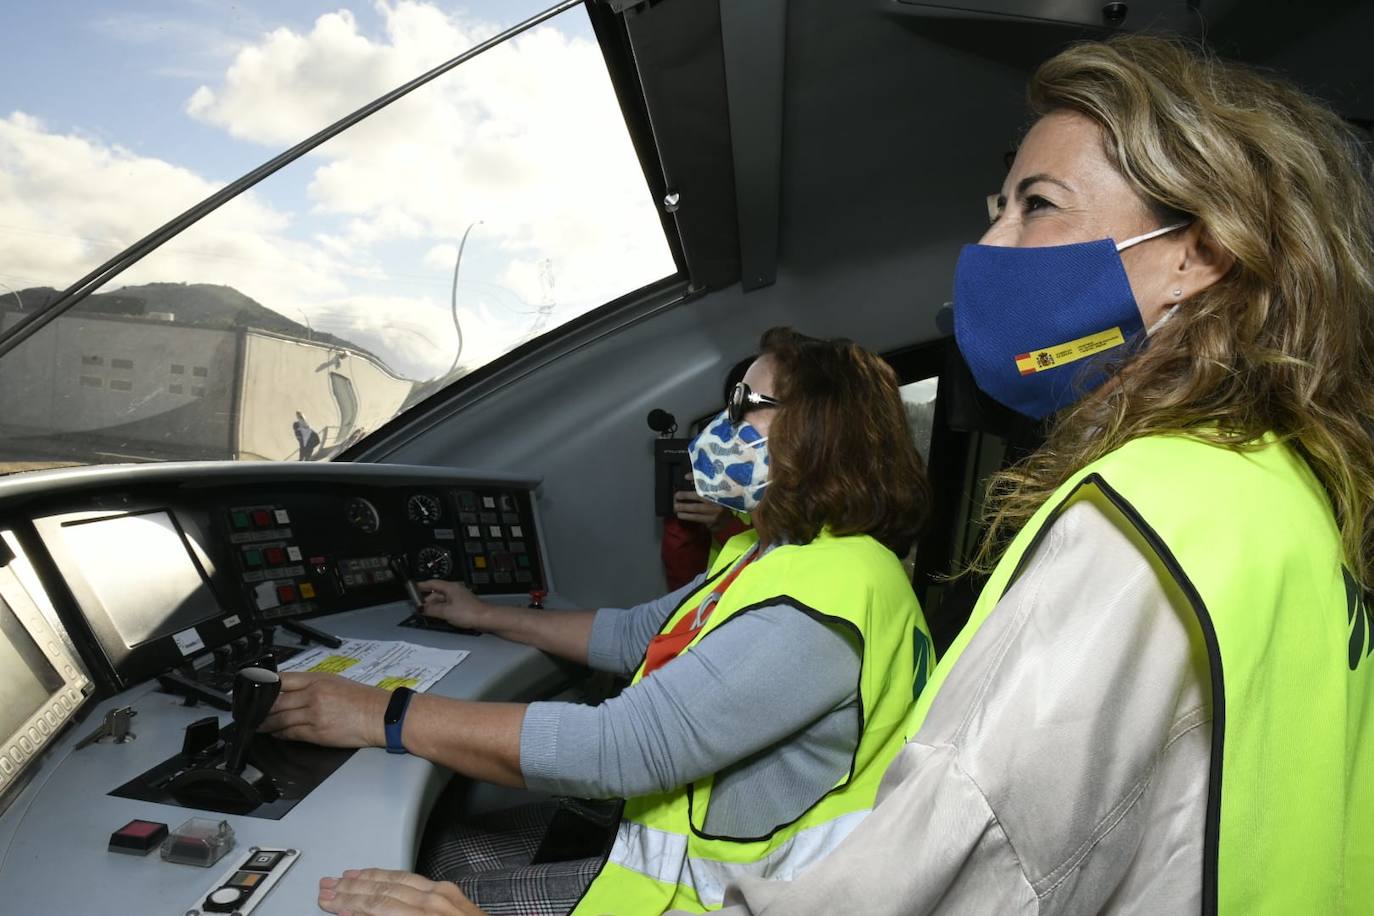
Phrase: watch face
pixel 395 710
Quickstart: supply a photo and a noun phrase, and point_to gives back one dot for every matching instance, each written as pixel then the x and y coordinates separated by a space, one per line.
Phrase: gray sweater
pixel 767 701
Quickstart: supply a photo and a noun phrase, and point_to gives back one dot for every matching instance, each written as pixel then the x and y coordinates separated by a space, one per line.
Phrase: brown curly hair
pixel 840 449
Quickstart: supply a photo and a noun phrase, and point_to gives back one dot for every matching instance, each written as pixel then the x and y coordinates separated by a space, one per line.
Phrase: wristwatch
pixel 395 719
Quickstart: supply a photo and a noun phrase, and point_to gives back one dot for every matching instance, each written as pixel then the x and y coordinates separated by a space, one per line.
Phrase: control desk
pixel 137 593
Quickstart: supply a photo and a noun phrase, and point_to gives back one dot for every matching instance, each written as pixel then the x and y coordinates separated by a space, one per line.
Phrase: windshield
pixel 484 209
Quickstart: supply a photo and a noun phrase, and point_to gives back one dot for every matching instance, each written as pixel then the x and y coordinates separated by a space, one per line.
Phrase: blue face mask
pixel 730 463
pixel 1041 327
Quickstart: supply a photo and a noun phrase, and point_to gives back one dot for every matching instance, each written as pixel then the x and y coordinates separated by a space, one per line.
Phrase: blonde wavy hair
pixel 1285 341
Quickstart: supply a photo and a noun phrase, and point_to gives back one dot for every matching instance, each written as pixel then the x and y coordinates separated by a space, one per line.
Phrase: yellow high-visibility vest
pixel 662 858
pixel 1250 538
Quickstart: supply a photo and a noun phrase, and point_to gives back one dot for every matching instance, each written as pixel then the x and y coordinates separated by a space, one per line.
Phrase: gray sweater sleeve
pixel 620 636
pixel 1062 768
pixel 750 684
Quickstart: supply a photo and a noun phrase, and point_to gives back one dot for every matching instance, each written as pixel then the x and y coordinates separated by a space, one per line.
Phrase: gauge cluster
pixel 305 553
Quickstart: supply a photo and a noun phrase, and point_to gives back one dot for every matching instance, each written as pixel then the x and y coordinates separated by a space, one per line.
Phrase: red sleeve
pixel 684 550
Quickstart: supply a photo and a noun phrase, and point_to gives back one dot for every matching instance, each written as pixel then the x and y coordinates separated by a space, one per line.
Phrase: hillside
pixel 201 305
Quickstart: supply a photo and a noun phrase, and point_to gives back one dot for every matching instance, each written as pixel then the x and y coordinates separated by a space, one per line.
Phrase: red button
pixel 275 556
pixel 286 594
pixel 261 519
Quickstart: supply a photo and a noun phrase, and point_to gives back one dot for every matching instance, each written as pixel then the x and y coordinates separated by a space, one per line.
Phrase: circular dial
pixel 434 562
pixel 424 509
pixel 362 515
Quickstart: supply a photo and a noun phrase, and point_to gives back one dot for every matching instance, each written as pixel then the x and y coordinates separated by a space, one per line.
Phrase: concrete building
pixel 97 388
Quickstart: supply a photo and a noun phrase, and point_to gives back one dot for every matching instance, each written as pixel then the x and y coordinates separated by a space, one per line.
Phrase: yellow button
pixel 307 590
pixel 479 562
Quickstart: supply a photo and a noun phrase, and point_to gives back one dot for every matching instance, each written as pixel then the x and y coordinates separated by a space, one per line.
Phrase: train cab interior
pixel 244 406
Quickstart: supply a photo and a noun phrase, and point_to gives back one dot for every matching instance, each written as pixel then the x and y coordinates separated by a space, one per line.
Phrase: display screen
pixel 142 572
pixel 27 679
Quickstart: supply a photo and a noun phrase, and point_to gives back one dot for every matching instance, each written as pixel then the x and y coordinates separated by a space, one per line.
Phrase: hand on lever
pixel 255 690
pixel 382 892
pixel 451 601
pixel 329 710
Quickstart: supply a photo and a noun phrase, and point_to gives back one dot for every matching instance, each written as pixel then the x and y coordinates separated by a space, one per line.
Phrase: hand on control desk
pixel 329 710
pixel 451 601
pixel 383 892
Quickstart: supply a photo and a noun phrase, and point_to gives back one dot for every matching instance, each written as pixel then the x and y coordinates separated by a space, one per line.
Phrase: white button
pixel 474 531
pixel 25 745
pixel 294 554
pixel 226 895
pixel 516 531
pixel 282 517
pixel 488 502
pixel 44 727
pixel 6 766
pixel 495 530
pixel 51 717
pixel 34 736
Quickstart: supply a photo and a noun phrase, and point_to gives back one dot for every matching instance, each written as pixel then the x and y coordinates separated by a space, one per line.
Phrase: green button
pixel 240 519
pixel 524 560
pixel 252 557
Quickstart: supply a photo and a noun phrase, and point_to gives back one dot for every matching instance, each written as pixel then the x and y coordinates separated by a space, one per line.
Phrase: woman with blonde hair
pixel 1164 699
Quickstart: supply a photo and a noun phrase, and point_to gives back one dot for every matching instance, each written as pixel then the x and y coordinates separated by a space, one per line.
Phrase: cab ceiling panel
pixel 678 52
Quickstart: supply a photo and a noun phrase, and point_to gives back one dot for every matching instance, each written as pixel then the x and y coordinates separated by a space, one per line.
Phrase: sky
pixel 115 116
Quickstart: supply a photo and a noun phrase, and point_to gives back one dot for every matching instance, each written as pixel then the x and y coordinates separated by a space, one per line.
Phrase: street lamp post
pixel 309 331
pixel 458 325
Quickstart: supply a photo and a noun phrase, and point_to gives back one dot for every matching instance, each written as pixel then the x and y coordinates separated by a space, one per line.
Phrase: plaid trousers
pixel 489 858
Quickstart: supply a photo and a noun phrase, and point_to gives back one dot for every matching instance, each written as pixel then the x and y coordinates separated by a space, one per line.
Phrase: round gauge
pixel 423 509
pixel 362 515
pixel 434 563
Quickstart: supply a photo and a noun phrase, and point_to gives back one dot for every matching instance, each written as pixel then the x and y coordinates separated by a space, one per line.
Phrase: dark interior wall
pixel 891 140
pixel 894 129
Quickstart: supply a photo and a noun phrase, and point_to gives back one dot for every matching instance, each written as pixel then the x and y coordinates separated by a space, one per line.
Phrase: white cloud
pixel 527 137
pixel 441 257
pixel 362 235
pixel 68 203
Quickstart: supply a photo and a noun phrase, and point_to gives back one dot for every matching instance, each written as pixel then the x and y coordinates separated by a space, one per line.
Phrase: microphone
pixel 662 422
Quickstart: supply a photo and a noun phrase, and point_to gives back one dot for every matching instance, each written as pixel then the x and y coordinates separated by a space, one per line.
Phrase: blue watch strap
pixel 395 719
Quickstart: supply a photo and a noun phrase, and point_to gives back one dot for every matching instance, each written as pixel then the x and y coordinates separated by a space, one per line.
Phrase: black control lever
pixel 306 632
pixel 398 569
pixel 255 690
pixel 194 691
pixel 227 787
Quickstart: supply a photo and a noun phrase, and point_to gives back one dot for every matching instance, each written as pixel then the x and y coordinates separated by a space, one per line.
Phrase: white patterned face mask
pixel 730 463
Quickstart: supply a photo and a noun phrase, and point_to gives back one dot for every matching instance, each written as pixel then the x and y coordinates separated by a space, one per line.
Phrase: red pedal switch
pixel 262 519
pixel 275 556
pixel 286 594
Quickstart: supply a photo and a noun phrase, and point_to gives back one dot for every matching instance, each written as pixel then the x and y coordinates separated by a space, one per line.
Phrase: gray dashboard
pixel 56 822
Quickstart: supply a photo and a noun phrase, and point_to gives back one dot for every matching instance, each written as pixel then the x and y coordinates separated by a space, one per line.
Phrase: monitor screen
pixel 27 679
pixel 143 573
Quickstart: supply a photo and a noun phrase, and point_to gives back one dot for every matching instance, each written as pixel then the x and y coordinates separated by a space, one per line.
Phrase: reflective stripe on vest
pixel 1250 538
pixel 663 858
pixel 659 854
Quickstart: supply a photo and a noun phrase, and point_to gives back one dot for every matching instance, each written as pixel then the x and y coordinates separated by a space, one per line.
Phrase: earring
pixel 1178 294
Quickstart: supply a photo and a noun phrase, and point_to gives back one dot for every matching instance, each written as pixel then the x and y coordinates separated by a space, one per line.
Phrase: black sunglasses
pixel 743 400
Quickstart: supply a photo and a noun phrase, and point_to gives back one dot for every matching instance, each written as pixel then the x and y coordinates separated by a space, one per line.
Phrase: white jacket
pixel 1062 768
